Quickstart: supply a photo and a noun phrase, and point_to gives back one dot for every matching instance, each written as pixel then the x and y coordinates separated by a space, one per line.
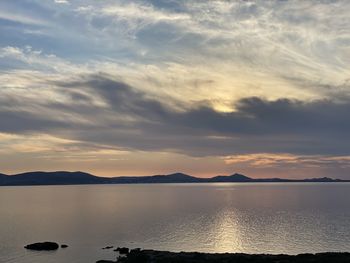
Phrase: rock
pixel 42 246
pixel 64 246
pixel 122 250
pixel 152 256
pixel 107 247
pixel 105 261
pixel 135 250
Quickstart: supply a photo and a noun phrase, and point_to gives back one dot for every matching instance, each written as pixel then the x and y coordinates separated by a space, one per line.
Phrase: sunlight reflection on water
pixel 227 217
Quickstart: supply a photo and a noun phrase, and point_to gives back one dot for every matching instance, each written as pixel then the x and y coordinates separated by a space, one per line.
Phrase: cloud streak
pixel 127 117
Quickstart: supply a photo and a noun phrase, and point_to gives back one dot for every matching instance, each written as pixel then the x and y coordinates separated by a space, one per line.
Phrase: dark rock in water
pixel 106 261
pixel 64 246
pixel 107 247
pixel 42 246
pixel 122 250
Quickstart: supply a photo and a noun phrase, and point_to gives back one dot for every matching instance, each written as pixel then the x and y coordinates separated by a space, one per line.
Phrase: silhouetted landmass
pixel 54 178
pixel 152 256
pixel 231 178
pixel 71 178
pixel 4 179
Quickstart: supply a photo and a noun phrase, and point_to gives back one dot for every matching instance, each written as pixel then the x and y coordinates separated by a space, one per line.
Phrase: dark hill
pixel 231 178
pixel 65 178
pixel 323 179
pixel 173 178
pixel 170 178
pixel 54 178
pixel 3 179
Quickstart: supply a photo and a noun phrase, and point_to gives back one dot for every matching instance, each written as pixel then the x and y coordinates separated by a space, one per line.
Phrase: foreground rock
pixel 122 250
pixel 107 247
pixel 148 256
pixel 42 246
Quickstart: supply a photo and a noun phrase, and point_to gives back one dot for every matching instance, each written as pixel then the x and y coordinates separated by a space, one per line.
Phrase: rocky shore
pixel 137 255
pixel 152 256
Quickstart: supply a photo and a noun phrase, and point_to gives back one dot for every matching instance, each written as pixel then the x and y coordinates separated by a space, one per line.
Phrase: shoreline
pixel 80 178
pixel 138 255
pixel 184 183
pixel 155 256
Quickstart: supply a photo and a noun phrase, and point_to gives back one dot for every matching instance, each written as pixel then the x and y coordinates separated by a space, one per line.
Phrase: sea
pixel 289 218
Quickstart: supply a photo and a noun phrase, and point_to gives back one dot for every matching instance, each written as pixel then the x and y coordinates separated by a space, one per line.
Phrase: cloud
pixel 268 160
pixel 61 1
pixel 103 110
pixel 35 59
pixel 21 18
pixel 246 48
pixel 133 15
pixel 200 78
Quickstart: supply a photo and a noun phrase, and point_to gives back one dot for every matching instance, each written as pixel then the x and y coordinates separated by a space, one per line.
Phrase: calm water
pixel 253 218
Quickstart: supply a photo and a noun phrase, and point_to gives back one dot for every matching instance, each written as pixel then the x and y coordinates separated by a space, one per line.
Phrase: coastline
pixel 154 256
pixel 138 255
pixel 82 178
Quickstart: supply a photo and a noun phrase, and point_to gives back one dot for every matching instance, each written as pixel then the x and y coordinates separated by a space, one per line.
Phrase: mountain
pixel 3 176
pixel 65 178
pixel 53 178
pixel 322 180
pixel 231 178
pixel 176 177
pixel 170 178
pixel 3 179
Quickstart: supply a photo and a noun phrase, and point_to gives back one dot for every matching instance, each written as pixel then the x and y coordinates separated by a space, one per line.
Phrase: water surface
pixel 229 217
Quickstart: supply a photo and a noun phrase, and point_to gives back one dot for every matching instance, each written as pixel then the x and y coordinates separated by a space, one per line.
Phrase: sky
pixel 159 86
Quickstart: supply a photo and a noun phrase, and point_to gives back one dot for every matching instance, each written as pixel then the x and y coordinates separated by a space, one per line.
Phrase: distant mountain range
pixel 69 178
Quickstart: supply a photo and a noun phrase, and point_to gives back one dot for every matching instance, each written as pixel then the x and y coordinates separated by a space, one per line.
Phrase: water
pixel 230 217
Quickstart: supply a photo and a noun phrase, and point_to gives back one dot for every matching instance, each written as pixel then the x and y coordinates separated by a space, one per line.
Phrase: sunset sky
pixel 152 87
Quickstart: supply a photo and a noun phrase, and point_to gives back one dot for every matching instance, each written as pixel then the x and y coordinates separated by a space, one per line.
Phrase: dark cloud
pixel 76 96
pixel 22 122
pixel 132 119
